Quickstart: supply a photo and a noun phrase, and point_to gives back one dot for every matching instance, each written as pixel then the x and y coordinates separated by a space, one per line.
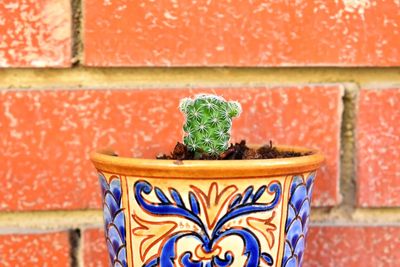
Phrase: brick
pixel 46 135
pixel 94 248
pixel 353 247
pixel 35 33
pixel 378 148
pixel 242 33
pixel 42 249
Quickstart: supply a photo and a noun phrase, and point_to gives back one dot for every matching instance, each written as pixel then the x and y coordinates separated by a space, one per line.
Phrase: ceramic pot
pixel 206 213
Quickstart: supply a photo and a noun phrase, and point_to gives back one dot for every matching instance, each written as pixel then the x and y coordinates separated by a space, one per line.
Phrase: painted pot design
pixel 206 213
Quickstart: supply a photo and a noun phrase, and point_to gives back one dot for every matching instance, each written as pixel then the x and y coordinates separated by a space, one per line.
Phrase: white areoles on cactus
pixel 208 122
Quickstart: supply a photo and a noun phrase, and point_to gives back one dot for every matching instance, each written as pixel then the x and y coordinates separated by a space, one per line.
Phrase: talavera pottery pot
pixel 206 213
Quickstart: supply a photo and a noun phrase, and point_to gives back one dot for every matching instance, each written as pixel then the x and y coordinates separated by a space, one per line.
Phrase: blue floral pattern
pixel 114 220
pixel 297 220
pixel 242 204
pixel 208 230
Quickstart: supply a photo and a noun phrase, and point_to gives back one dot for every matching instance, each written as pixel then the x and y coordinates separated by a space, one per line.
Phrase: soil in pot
pixel 234 152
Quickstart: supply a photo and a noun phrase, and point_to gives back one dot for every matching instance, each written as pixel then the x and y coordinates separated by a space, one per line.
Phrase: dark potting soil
pixel 235 151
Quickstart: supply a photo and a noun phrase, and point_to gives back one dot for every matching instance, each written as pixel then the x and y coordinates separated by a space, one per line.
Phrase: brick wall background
pixel 76 75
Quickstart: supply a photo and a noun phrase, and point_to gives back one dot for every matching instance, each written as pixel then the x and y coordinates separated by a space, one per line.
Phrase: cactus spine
pixel 208 122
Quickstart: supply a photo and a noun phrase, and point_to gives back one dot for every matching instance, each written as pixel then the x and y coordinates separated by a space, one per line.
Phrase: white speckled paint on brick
pixel 45 249
pixel 378 148
pixel 242 33
pixel 351 245
pixel 358 6
pixel 35 33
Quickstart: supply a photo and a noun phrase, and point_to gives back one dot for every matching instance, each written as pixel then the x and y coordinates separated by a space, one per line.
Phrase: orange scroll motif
pixel 214 202
pixel 151 233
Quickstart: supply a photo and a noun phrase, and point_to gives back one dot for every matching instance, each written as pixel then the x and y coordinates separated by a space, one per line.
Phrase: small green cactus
pixel 208 123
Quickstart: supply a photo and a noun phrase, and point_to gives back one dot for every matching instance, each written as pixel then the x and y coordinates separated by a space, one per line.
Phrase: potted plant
pixel 208 204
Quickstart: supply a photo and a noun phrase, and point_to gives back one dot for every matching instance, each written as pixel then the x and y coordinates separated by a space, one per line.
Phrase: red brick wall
pixel 69 83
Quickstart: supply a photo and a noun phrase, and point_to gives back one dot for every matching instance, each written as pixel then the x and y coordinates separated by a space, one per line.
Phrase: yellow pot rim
pixel 104 161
